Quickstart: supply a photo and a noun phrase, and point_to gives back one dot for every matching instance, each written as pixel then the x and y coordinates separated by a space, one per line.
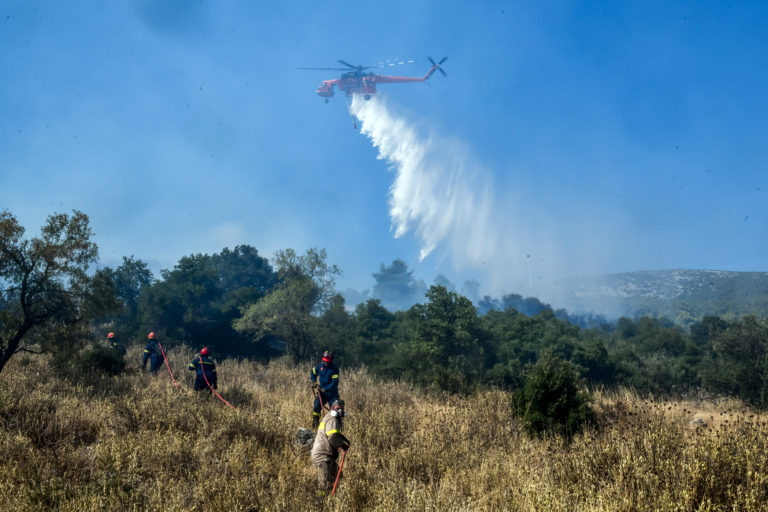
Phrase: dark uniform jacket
pixel 205 369
pixel 153 354
pixel 116 346
pixel 327 377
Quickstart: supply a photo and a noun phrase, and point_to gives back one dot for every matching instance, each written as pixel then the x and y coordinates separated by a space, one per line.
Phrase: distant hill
pixel 683 296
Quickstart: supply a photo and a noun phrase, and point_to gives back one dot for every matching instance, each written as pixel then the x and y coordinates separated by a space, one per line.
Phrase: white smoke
pixel 438 193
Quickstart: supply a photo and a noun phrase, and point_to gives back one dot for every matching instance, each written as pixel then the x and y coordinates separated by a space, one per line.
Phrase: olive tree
pixel 44 286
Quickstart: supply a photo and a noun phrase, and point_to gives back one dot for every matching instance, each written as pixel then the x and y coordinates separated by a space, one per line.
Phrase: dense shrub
pixel 551 400
pixel 100 358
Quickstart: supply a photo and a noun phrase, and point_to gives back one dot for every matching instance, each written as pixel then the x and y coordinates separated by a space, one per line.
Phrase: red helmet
pixel 327 356
pixel 204 351
pixel 110 335
pixel 151 335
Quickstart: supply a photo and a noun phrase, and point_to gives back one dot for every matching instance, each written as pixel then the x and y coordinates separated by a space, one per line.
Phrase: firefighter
pixel 328 441
pixel 205 369
pixel 325 381
pixel 152 354
pixel 114 344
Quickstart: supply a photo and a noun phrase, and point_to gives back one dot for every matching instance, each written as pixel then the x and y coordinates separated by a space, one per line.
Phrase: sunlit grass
pixel 136 442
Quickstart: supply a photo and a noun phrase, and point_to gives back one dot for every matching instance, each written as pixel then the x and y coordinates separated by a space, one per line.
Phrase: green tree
pixel 440 343
pixel 516 336
pixel 44 287
pixel 338 330
pixel 517 340
pixel 374 320
pixel 551 400
pixel 372 343
pixel 740 362
pixel 591 358
pixel 292 310
pixel 198 300
pixel 653 355
pixel 128 281
pixel 312 266
pixel 703 331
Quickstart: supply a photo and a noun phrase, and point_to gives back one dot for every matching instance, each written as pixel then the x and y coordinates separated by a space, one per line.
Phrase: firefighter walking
pixel 325 380
pixel 205 371
pixel 152 354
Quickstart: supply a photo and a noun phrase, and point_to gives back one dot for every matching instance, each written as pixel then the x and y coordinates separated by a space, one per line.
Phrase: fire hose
pixel 202 370
pixel 319 396
pixel 168 366
pixel 338 475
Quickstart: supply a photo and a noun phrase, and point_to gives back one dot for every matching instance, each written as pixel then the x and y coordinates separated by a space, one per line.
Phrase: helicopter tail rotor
pixel 436 66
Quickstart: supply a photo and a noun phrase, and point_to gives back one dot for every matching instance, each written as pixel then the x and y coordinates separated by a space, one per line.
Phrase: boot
pixel 315 422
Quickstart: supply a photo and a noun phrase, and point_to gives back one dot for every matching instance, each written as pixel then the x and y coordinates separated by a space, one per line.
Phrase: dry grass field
pixel 135 442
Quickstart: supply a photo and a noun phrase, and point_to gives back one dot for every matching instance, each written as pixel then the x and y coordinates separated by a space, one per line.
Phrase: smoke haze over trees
pixel 238 303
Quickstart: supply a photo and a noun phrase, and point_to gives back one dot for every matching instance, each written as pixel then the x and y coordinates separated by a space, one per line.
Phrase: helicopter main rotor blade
pixel 327 69
pixel 348 64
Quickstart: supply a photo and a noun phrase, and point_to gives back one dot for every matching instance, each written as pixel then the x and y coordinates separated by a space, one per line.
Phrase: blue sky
pixel 615 136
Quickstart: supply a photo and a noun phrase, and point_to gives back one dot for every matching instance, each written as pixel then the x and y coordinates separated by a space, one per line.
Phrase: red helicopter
pixel 357 81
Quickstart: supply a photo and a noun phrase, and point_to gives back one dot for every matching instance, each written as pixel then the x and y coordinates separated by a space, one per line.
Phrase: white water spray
pixel 518 242
pixel 437 193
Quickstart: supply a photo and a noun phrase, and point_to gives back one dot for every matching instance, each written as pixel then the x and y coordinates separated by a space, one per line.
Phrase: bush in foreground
pixel 552 400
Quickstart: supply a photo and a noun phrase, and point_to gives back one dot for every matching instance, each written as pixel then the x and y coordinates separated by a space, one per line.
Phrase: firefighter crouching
pixel 324 377
pixel 205 371
pixel 328 441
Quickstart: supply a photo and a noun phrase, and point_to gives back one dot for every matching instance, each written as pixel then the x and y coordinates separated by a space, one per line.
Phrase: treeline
pixel 238 303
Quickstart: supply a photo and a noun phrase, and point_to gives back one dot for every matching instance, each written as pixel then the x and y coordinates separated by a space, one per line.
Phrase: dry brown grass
pixel 134 442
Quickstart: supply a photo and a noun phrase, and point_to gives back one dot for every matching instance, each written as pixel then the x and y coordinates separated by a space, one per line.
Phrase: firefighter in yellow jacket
pixel 328 441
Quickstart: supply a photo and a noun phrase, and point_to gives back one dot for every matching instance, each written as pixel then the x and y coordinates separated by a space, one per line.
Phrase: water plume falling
pixel 438 193
pixel 525 239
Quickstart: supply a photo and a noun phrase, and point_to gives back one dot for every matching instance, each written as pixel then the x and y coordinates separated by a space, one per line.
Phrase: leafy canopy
pixel 199 298
pixel 292 310
pixel 44 287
